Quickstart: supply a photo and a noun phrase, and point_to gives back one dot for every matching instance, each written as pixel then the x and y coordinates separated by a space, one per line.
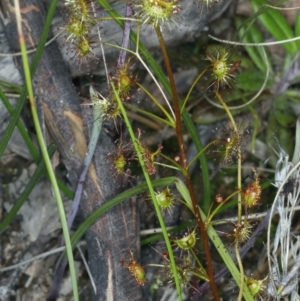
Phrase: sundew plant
pixel 192 168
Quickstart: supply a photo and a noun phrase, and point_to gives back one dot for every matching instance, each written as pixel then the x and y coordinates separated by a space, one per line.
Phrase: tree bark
pixel 113 234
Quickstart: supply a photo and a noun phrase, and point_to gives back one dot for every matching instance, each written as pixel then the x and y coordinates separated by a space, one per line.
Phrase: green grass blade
pixel 21 129
pixel 157 208
pixel 61 211
pixel 277 25
pixel 10 87
pixel 253 35
pixel 213 235
pixel 115 201
pixel 34 64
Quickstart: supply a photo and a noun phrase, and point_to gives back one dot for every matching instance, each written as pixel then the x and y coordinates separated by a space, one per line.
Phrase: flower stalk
pixel 183 160
pixel 239 187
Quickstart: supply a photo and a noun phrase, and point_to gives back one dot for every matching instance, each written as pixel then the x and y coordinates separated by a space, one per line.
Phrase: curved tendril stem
pixel 239 187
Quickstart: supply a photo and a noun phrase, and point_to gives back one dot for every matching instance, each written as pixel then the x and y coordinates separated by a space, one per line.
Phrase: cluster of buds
pixel 79 19
pixel 123 81
pixel 120 159
pixel 250 198
pixel 186 270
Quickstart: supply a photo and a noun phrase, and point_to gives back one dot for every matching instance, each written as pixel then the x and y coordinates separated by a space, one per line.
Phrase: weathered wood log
pixel 115 232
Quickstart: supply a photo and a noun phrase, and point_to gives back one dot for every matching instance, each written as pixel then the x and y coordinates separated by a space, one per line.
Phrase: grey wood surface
pixel 112 235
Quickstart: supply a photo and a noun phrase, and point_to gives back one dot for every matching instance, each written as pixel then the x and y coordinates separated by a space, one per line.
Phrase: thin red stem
pixel 178 129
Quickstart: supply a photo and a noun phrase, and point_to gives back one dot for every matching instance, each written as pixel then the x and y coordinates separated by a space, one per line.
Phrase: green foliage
pixel 251 86
pixel 277 25
pixel 252 35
